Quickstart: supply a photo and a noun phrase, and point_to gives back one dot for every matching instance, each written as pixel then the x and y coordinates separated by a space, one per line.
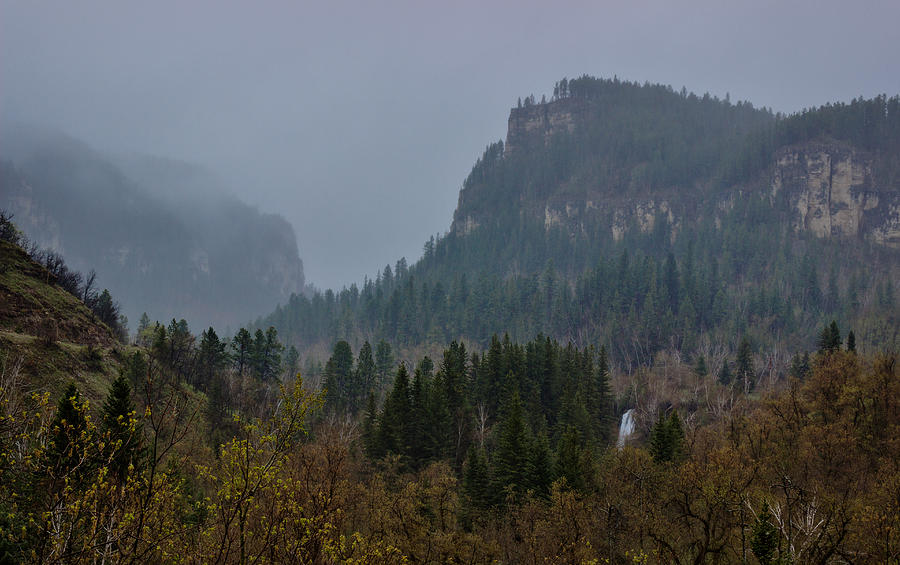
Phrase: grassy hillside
pixel 47 336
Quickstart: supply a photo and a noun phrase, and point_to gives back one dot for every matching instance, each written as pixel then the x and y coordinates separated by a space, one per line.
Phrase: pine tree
pixel 394 431
pixel 829 338
pixel 511 462
pixel 291 363
pixel 241 347
pixel 211 357
pixel 700 368
pixel 764 539
pixel 338 372
pixel 541 464
pixel 568 458
pixel 476 482
pixel 370 429
pixel 851 342
pixel 602 402
pixel 365 370
pixel 745 371
pixel 68 445
pixel 675 431
pixel 660 444
pixel 122 432
pixel 667 439
pixel 725 373
pixel 384 363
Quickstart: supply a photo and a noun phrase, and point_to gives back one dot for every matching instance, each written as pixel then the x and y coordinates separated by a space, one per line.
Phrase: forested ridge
pixel 733 265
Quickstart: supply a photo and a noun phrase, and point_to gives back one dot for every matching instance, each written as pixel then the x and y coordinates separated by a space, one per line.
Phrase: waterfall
pixel 626 428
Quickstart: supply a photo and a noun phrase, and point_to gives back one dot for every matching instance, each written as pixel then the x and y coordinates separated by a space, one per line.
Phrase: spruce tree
pixel 393 425
pixel 476 482
pixel 851 342
pixel 68 444
pixel 700 368
pixel 745 364
pixel 764 539
pixel 338 373
pixel 568 458
pixel 675 431
pixel 511 461
pixel 660 444
pixel 365 370
pixel 725 373
pixel 369 430
pixel 121 432
pixel 541 464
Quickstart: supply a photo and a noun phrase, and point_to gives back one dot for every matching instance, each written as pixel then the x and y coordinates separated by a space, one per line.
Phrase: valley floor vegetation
pixel 506 456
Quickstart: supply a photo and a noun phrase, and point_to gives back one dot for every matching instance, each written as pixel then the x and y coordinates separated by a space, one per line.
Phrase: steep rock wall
pixel 830 187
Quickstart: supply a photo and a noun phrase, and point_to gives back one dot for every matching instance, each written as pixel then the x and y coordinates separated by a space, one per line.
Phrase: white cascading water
pixel 626 428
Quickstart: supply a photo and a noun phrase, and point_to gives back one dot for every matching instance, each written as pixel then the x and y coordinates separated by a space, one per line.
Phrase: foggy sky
pixel 358 121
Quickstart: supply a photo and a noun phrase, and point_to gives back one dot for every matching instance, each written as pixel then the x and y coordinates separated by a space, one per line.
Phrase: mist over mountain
pixel 166 237
pixel 650 220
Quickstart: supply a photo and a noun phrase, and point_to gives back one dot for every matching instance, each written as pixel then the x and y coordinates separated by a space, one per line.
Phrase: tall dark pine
pixel 211 358
pixel 394 425
pixel 830 338
pixel 745 371
pixel 384 363
pixel 338 377
pixel 241 347
pixel 68 448
pixel 512 464
pixel 122 435
pixel 365 371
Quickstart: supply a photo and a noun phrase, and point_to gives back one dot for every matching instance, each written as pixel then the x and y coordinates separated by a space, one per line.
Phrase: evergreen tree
pixel 764 539
pixel 745 372
pixel 476 482
pixel 675 431
pixel 68 447
pixel 394 430
pixel 568 458
pixel 660 446
pixel 851 342
pixel 211 357
pixel 541 464
pixel 291 363
pixel 601 402
pixel 512 465
pixel 370 429
pixel 241 347
pixel 384 362
pixel 122 432
pixel 338 373
pixel 725 377
pixel 366 370
pixel 700 368
pixel 829 338
pixel 800 368
pixel 667 439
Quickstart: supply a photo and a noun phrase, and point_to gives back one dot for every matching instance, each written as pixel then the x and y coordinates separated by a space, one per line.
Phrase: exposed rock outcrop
pixel 830 186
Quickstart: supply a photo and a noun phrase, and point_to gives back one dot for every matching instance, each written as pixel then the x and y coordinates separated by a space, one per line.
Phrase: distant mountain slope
pixel 647 219
pixel 162 235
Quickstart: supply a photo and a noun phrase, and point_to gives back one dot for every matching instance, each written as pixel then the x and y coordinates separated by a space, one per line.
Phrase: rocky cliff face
pixel 540 122
pixel 830 187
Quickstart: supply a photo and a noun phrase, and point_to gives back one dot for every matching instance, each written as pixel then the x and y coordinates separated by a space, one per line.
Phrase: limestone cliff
pixel 830 187
pixel 540 122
